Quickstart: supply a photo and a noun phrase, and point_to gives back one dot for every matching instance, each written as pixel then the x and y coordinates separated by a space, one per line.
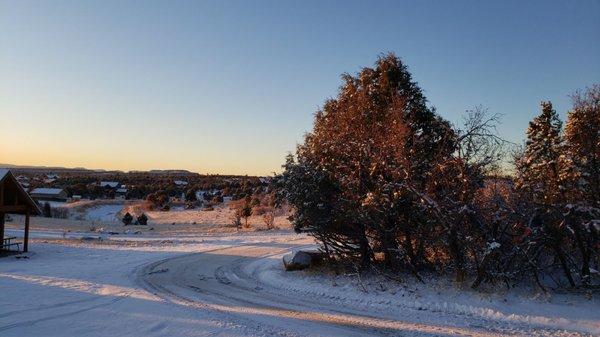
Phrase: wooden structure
pixel 49 194
pixel 14 200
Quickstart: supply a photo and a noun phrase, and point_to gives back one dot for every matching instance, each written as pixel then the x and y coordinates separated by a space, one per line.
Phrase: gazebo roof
pixel 13 198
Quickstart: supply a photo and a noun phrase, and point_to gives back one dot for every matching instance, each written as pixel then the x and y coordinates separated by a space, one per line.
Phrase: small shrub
pixel 47 211
pixel 60 213
pixel 269 220
pixel 246 212
pixel 236 219
pixel 127 219
pixel 261 210
pixel 142 220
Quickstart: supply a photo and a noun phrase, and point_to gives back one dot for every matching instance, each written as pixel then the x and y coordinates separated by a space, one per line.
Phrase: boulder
pixel 301 259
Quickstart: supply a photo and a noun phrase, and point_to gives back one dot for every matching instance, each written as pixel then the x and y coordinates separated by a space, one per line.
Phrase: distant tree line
pixel 384 182
pixel 142 185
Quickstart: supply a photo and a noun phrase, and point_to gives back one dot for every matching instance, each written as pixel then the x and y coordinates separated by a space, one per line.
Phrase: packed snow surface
pixel 234 285
pixel 106 213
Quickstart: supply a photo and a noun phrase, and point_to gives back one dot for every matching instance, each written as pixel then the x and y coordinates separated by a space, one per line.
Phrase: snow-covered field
pixel 108 213
pixel 92 210
pixel 211 284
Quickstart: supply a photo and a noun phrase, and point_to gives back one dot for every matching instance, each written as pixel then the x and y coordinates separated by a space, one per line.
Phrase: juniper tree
pixel 142 220
pixel 246 210
pixel 190 195
pixel 127 219
pixel 371 150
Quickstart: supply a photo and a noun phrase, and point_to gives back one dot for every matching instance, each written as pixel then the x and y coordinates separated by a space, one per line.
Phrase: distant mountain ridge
pixel 83 169
pixel 40 167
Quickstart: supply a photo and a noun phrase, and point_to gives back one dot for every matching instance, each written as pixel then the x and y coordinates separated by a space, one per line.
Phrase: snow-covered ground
pixel 92 210
pixel 233 285
pixel 108 213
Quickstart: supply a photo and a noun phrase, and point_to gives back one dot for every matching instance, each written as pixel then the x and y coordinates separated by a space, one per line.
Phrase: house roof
pixel 3 172
pixel 5 176
pixel 112 184
pixel 48 191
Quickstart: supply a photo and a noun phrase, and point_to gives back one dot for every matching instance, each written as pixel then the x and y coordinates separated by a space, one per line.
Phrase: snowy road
pixel 227 281
pixel 233 285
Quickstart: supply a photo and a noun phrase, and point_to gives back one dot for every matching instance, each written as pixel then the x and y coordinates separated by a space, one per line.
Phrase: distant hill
pixel 52 169
pixel 32 167
pixel 41 169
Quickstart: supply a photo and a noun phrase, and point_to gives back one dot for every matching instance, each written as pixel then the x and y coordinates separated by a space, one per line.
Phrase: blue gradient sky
pixel 231 86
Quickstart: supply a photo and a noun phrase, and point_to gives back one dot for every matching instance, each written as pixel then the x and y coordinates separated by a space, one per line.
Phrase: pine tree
pixel 582 137
pixel 541 175
pixel 540 167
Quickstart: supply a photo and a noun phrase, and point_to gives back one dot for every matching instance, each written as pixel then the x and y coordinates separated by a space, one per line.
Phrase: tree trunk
pixel 456 252
pixel 26 234
pixel 585 253
pixel 2 228
pixel 390 246
pixel 408 248
pixel 563 263
pixel 365 251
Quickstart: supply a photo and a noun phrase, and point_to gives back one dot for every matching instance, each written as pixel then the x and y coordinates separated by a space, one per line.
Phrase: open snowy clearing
pixel 233 285
pixel 107 214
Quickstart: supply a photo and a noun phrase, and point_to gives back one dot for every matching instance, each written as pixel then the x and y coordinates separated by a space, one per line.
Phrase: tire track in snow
pixel 221 294
pixel 509 323
pixel 61 315
pixel 48 306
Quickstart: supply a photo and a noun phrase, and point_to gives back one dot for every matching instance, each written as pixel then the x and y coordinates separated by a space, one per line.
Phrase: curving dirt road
pixel 216 281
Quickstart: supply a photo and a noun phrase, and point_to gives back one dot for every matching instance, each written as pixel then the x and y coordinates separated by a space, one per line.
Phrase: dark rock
pixel 302 259
pixel 91 238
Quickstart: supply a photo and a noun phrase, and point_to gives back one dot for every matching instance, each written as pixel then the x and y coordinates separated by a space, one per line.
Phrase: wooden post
pixel 2 214
pixel 2 227
pixel 26 234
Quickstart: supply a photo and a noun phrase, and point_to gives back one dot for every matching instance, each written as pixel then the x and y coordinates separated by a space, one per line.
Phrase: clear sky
pixel 231 86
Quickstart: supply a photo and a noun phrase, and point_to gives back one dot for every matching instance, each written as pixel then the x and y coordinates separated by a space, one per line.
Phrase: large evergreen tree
pixel 582 137
pixel 540 166
pixel 372 148
pixel 559 178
